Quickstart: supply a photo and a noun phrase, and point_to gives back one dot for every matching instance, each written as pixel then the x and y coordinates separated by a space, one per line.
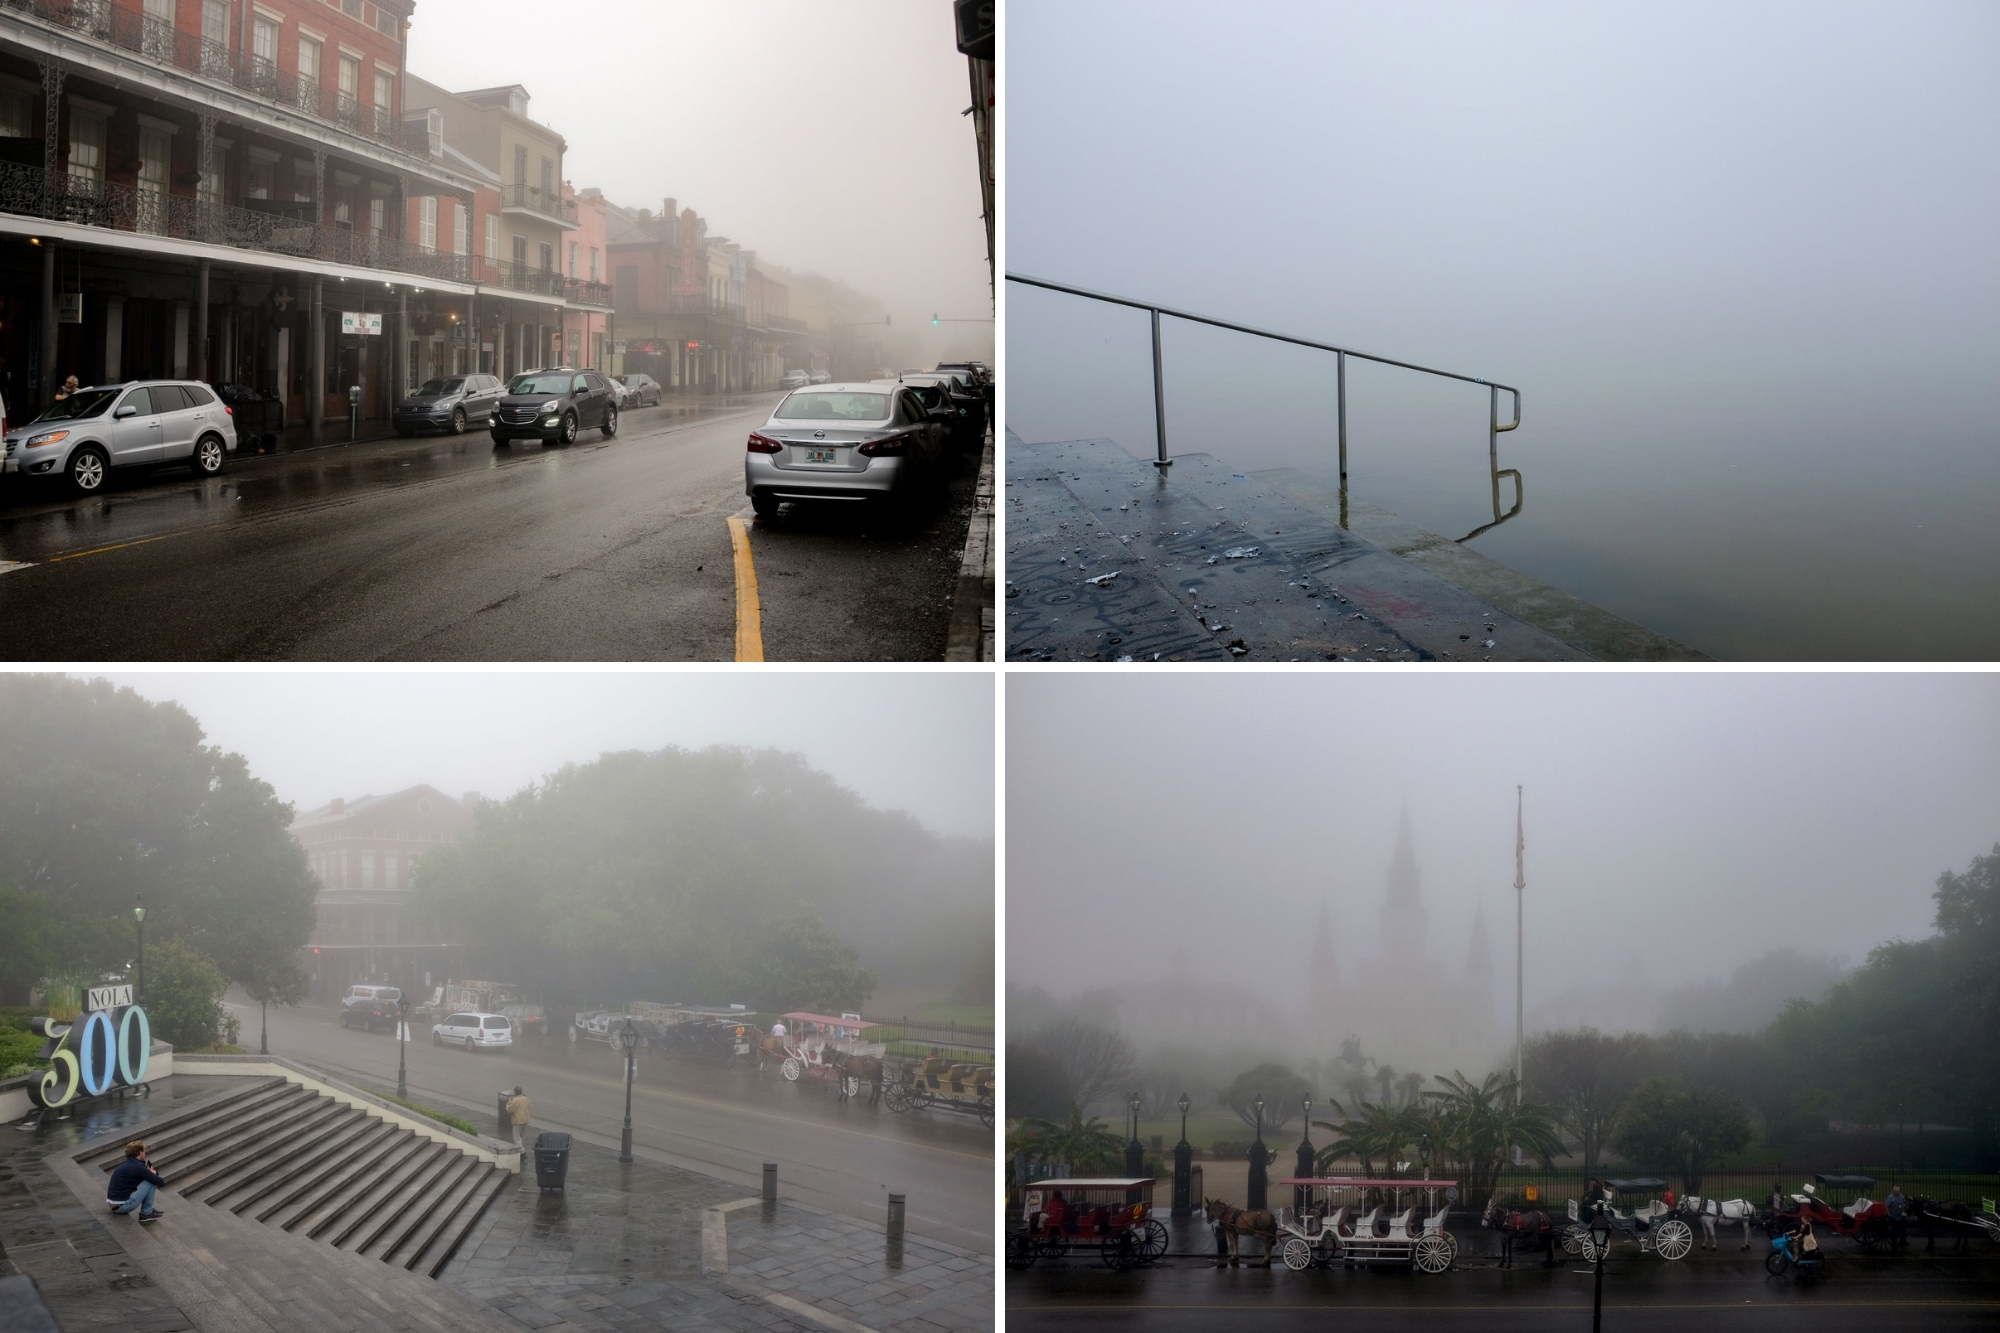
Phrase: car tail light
pixel 892 445
pixel 230 410
pixel 764 444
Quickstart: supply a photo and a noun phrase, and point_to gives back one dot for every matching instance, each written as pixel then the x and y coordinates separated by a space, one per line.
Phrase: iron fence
pixel 95 203
pixel 1754 1183
pixel 162 43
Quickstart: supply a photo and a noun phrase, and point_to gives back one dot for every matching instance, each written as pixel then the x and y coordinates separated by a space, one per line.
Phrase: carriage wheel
pixel 1587 1247
pixel 1021 1250
pixel 1433 1254
pixel 791 1069
pixel 1451 1241
pixel 1123 1253
pixel 1055 1245
pixel 850 1086
pixel 1872 1234
pixel 1673 1240
pixel 1156 1239
pixel 986 1115
pixel 897 1095
pixel 1573 1237
pixel 1298 1254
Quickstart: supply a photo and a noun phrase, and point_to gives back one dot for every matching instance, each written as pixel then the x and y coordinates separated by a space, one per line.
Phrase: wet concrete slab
pixel 1112 559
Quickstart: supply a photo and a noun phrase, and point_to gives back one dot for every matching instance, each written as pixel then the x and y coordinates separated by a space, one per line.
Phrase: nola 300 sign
pixel 108 1046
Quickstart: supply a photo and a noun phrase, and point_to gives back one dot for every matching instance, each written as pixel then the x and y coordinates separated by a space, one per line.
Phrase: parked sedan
pixel 844 442
pixel 794 379
pixel 158 422
pixel 554 405
pixel 450 403
pixel 970 405
pixel 473 1031
pixel 640 390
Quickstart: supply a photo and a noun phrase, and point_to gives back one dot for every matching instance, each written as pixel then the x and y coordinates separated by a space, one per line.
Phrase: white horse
pixel 1712 1211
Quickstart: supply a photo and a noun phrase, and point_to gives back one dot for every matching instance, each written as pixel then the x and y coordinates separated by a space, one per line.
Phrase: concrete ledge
pixel 970 637
pixel 15 1104
pixel 1604 635
pixel 491 1151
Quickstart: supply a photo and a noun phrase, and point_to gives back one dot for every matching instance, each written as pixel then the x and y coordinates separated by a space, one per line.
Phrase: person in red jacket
pixel 134 1184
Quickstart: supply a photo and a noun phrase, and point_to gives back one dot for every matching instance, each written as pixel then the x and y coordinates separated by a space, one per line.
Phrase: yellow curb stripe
pixel 749 613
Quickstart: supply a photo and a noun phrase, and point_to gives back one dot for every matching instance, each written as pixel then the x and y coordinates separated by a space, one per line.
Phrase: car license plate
pixel 820 456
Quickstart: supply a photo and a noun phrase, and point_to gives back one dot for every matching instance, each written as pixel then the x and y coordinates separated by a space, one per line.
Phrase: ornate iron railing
pixel 162 43
pixel 96 203
pixel 549 203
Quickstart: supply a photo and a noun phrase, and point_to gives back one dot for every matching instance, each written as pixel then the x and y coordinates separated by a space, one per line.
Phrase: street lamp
pixel 1424 1154
pixel 1135 1152
pixel 402 1045
pixel 1183 1166
pixel 139 915
pixel 1600 1236
pixel 629 1039
pixel 1304 1166
pixel 1259 1181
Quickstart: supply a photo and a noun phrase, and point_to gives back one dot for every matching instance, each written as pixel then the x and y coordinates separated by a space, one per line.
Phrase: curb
pixel 970 636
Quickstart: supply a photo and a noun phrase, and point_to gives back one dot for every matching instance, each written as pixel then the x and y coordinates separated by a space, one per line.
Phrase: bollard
pixel 896 1229
pixel 770 1182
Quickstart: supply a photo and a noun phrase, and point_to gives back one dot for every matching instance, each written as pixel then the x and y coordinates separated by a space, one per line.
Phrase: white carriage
pixel 1655 1225
pixel 1335 1227
pixel 822 1046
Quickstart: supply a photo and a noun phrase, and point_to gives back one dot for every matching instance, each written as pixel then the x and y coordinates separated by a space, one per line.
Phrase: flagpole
pixel 1520 884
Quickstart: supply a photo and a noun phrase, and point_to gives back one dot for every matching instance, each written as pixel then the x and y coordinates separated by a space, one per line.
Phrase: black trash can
pixel 551 1160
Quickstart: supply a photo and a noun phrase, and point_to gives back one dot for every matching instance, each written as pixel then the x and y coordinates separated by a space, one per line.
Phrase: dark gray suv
pixel 553 405
pixel 449 403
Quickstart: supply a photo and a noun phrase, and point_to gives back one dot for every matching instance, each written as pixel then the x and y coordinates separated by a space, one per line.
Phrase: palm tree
pixel 1478 1123
pixel 1385 1075
pixel 1375 1133
pixel 1087 1145
pixel 1410 1086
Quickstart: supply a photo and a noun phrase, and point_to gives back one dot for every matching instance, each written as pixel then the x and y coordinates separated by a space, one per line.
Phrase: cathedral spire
pixel 1405 925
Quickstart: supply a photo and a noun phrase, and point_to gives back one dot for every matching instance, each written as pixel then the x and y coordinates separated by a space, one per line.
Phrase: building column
pixel 316 388
pixel 49 378
pixel 399 375
pixel 114 338
pixel 472 327
pixel 319 206
pixel 201 321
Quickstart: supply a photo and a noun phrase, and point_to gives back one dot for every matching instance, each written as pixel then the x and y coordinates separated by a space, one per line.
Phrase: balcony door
pixel 156 156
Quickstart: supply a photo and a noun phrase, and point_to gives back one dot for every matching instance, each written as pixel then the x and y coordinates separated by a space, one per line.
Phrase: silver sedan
pixel 844 442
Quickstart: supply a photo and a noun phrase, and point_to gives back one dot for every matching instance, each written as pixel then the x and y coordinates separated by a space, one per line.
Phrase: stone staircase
pixel 344 1175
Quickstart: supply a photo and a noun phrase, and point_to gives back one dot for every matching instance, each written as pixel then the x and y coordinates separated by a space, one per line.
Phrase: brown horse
pixel 865 1068
pixel 767 1045
pixel 1237 1223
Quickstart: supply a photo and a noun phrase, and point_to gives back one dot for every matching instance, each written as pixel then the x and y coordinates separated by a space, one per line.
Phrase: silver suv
pixel 146 424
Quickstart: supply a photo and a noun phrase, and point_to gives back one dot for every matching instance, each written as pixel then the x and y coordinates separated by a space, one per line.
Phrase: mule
pixel 1236 1223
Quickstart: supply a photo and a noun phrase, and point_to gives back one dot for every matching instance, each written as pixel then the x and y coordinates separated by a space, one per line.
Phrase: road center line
pixel 749 614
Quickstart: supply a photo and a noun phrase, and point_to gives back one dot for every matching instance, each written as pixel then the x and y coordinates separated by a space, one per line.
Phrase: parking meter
pixel 353 411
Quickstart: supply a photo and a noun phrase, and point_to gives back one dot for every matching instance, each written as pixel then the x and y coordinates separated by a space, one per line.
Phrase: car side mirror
pixel 126 411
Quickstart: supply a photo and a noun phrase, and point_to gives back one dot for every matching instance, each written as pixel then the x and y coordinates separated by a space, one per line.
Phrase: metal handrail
pixel 1494 428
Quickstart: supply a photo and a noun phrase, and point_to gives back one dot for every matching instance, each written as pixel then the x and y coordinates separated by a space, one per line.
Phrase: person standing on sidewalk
pixel 517 1111
pixel 134 1184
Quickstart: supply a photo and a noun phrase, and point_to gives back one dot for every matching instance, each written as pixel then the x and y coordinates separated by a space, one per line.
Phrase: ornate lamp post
pixel 139 915
pixel 629 1039
pixel 1600 1236
pixel 1424 1154
pixel 1183 1166
pixel 1259 1180
pixel 1135 1151
pixel 402 1045
pixel 1301 1196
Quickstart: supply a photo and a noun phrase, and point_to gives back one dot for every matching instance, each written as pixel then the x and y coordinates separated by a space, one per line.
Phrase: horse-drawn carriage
pixel 1334 1228
pixel 825 1047
pixel 1655 1225
pixel 952 1085
pixel 713 1031
pixel 1111 1215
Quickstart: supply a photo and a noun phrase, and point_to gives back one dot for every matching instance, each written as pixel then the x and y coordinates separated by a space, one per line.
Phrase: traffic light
pixel 934 320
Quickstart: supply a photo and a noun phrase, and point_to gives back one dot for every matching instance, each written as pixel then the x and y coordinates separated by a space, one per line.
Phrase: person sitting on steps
pixel 134 1184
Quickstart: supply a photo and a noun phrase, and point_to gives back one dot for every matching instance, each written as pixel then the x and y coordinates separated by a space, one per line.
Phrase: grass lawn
pixel 952 1011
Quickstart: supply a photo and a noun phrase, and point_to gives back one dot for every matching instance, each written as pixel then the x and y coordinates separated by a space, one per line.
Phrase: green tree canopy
pixel 105 795
pixel 1283 1089
pixel 1668 1126
pixel 183 996
pixel 723 874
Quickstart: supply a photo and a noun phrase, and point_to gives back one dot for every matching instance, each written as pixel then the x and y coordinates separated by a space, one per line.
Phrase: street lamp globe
pixel 1260 1106
pixel 1183 1103
pixel 629 1038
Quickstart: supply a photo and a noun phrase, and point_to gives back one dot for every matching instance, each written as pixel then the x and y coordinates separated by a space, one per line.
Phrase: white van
pixel 473 1031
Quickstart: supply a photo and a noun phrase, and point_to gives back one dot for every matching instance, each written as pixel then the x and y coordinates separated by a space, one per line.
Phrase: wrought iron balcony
pixel 163 44
pixel 549 203
pixel 95 203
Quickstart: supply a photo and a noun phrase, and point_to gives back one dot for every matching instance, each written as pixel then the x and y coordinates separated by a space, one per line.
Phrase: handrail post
pixel 1340 361
pixel 1159 396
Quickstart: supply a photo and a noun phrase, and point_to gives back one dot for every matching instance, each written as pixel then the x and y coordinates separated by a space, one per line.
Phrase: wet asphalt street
pixel 449 548
pixel 1726 1290
pixel 727 1121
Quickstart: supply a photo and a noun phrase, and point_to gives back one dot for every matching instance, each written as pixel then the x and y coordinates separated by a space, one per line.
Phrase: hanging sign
pixel 109 1045
pixel 69 307
pixel 360 321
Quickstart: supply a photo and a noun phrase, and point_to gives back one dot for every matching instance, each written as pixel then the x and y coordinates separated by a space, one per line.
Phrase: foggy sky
pixel 1678 824
pixel 1738 256
pixel 916 741
pixel 825 137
